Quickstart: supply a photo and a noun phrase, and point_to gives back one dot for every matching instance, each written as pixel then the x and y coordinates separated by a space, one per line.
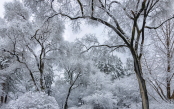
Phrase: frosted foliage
pixel 101 100
pixel 15 10
pixel 153 105
pixel 40 8
pixel 2 22
pixel 90 39
pixel 98 94
pixel 101 81
pixel 60 1
pixel 9 68
pixel 20 29
pixel 83 107
pixel 75 26
pixel 56 28
pixel 60 90
pixel 163 105
pixel 33 100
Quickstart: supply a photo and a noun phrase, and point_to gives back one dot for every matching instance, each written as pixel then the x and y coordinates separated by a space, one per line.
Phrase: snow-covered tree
pixel 31 42
pixel 36 64
pixel 128 20
pixel 33 100
pixel 75 73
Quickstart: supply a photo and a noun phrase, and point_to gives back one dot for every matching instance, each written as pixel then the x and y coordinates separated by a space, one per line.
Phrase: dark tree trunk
pixel 168 67
pixel 67 97
pixel 69 91
pixel 168 90
pixel 5 101
pixel 141 81
pixel 41 69
pixel 168 78
pixel 42 82
pixel 2 99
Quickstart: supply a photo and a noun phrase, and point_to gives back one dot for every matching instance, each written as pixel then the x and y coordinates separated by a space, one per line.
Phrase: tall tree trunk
pixel 168 89
pixel 141 81
pixel 69 91
pixel 168 78
pixel 42 85
pixel 67 97
pixel 142 86
pixel 168 67
pixel 41 82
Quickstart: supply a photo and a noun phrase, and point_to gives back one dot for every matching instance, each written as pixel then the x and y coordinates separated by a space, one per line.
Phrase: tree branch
pixel 31 74
pixel 160 24
pixel 121 7
pixel 94 46
pixel 81 7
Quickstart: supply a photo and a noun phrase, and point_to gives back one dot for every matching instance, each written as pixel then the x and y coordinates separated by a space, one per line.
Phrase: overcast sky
pixel 2 7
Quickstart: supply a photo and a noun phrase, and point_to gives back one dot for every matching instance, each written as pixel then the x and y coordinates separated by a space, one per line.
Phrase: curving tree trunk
pixel 142 85
pixel 141 80
pixel 72 82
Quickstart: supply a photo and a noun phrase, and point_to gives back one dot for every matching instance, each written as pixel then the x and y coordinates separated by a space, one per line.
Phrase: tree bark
pixel 143 92
pixel 69 91
pixel 41 69
pixel 168 77
pixel 141 81
pixel 67 97
pixel 168 64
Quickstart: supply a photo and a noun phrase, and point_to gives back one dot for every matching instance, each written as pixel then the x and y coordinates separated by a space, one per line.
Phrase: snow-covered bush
pixel 83 107
pixel 33 100
pixel 100 100
pixel 127 90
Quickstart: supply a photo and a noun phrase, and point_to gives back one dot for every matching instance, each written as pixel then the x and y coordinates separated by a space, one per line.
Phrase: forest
pixel 129 65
